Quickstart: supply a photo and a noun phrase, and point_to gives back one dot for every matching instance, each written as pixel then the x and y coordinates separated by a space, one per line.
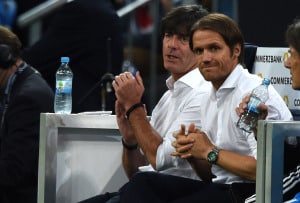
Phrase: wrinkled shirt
pixel 181 104
pixel 221 118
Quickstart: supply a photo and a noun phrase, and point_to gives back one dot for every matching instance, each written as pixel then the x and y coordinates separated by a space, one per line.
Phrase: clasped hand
pixel 193 144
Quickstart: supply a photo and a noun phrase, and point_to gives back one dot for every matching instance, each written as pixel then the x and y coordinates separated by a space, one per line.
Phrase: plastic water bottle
pixel 248 120
pixel 63 91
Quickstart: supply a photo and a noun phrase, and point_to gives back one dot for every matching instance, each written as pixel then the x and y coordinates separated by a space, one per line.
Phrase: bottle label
pixel 253 104
pixel 63 87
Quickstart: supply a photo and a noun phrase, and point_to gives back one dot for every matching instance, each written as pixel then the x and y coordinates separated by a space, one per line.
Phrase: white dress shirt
pixel 181 104
pixel 219 118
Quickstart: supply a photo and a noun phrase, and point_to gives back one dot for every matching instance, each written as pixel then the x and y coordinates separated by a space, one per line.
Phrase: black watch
pixel 213 155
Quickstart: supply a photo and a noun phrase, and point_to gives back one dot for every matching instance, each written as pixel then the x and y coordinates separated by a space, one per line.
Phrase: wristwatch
pixel 213 155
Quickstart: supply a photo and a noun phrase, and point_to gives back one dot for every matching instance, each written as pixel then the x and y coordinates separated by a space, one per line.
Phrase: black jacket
pixel 19 137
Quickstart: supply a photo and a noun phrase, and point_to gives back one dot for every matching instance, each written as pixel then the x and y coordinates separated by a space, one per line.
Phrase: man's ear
pixel 236 51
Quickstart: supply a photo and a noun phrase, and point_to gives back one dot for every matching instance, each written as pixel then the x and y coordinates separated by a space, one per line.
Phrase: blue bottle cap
pixel 65 59
pixel 266 81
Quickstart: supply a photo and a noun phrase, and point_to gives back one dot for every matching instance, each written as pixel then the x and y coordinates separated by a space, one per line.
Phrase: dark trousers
pixel 103 198
pixel 151 187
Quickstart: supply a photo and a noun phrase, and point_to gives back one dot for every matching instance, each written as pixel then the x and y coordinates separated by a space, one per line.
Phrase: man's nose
pixel 207 55
pixel 287 62
pixel 173 42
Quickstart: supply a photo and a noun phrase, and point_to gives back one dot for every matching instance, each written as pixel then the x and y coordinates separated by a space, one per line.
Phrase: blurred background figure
pixel 24 32
pixel 8 11
pixel 79 30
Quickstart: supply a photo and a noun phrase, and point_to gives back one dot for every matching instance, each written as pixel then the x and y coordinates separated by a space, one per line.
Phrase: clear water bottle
pixel 63 91
pixel 248 120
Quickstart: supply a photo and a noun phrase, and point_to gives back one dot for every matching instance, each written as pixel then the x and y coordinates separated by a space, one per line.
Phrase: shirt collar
pixel 192 79
pixel 232 80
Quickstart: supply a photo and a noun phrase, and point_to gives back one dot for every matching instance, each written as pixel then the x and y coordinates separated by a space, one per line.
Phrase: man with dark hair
pixel 24 95
pixel 147 145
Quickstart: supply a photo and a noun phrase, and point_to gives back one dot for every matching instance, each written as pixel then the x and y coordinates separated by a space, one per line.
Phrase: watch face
pixel 212 157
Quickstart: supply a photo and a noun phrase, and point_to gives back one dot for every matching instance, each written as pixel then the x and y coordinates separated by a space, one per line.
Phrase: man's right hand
pixel 263 109
pixel 128 89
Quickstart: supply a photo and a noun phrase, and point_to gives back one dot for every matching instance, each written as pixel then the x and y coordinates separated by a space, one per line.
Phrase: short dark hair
pixel 223 25
pixel 293 34
pixel 181 19
pixel 7 37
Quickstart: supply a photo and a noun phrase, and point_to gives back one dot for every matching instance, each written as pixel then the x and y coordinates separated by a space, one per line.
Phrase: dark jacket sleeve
pixel 20 140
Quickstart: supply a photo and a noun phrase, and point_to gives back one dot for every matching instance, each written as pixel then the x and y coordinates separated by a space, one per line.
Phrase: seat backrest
pixel 249 55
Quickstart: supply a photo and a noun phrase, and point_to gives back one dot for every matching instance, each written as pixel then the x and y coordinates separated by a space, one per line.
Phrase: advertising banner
pixel 269 63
